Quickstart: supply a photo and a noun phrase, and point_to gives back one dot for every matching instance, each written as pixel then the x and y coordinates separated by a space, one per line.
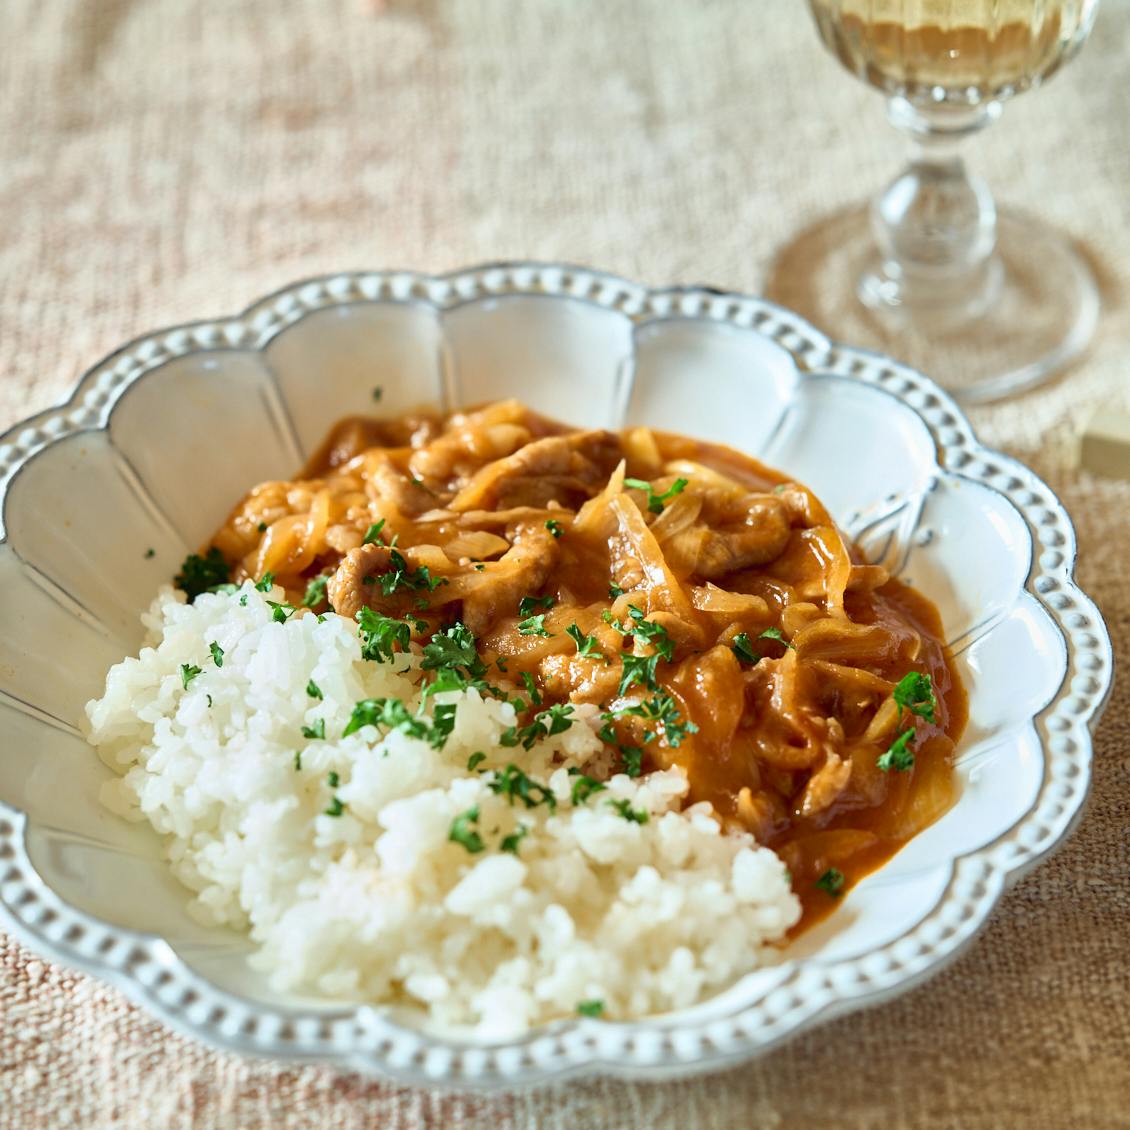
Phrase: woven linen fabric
pixel 167 160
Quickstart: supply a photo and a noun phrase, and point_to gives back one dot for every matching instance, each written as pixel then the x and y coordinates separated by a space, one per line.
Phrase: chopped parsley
pixel 298 759
pixel 775 634
pixel 262 527
pixel 638 669
pixel 280 613
pixel 656 502
pixel 592 1008
pixel 403 576
pixel 188 672
pixel 587 646
pixel 631 757
pixel 373 534
pixel 584 787
pixel 831 882
pixel 554 527
pixel 316 732
pixel 742 647
pixel 463 834
pixel 899 755
pixel 510 843
pixel 378 392
pixel 555 720
pixel 624 807
pixel 475 760
pixel 150 552
pixel 533 626
pixel 500 663
pixel 531 688
pixel 209 698
pixel 614 591
pixel 199 574
pixel 390 713
pixel 265 582
pixel 243 601
pixel 530 604
pixel 654 634
pixel 217 653
pixel 336 808
pixel 660 708
pixel 915 692
pixel 332 779
pixel 313 690
pixel 316 591
pixel 512 782
pixel 453 647
pixel 479 566
pixel 381 634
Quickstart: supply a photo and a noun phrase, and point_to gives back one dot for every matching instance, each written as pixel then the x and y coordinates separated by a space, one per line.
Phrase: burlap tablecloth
pixel 163 160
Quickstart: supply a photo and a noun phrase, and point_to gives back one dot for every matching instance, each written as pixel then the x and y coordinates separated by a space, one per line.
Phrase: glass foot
pixel 1031 312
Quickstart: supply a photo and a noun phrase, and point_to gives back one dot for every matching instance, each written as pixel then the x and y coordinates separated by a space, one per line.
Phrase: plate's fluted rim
pixel 150 973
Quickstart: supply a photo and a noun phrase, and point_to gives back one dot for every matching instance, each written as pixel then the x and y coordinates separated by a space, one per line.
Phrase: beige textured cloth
pixel 163 160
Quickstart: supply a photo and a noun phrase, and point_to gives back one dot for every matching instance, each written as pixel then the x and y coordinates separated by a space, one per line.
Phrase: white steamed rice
pixel 378 904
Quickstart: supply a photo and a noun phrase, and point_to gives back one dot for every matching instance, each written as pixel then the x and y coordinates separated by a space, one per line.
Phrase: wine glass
pixel 986 302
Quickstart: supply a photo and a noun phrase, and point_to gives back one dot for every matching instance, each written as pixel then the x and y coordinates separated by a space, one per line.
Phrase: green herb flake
pixel 479 566
pixel 513 782
pixel 402 576
pixel 298 760
pixel 200 574
pixel 775 634
pixel 554 527
pixel 313 690
pixel 150 552
pixel 531 688
pixel 742 647
pixel 381 635
pixel 475 760
pixel 281 613
pixel 831 882
pixel 336 808
pixel 899 755
pixel 243 601
pixel 584 787
pixel 587 646
pixel 638 670
pixel 656 502
pixel 510 843
pixel 217 653
pixel 378 392
pixel 209 698
pixel 463 834
pixel 614 592
pixel 631 757
pixel 915 692
pixel 188 672
pixel 624 807
pixel 528 605
pixel 533 626
pixel 317 732
pixel 593 1008
pixel 454 647
pixel 265 583
pixel 262 527
pixel 332 779
pixel 373 534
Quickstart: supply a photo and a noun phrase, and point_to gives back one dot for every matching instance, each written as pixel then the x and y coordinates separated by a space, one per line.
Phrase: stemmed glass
pixel 987 302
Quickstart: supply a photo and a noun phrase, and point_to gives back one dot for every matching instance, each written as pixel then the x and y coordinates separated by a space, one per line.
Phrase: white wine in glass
pixel 987 303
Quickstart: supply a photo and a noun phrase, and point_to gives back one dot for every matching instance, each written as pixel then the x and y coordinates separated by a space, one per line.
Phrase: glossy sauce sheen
pixel 786 747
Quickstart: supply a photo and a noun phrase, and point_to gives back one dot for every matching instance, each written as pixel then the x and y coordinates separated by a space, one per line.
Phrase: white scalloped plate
pixel 159 438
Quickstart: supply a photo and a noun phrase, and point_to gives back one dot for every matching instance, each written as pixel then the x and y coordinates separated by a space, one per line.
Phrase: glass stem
pixel 935 225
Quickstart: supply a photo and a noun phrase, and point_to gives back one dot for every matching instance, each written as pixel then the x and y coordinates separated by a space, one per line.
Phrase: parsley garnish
pixel 150 552
pixel 533 626
pixel 280 613
pixel 199 574
pixel 262 527
pixel 638 669
pixel 475 760
pixel 217 653
pixel 373 534
pixel 531 688
pixel 298 759
pixel 336 808
pixel 587 646
pixel 554 527
pixel 462 833
pixel 655 502
pixel 243 601
pixel 512 782
pixel 378 392
pixel 380 634
pixel 614 591
pixel 209 698
pixel 775 634
pixel 915 692
pixel 332 779
pixel 584 787
pixel 546 723
pixel 401 575
pixel 316 590
pixel 510 843
pixel 265 582
pixel 654 634
pixel 313 690
pixel 479 566
pixel 832 882
pixel 632 758
pixel 530 604
pixel 742 647
pixel 661 708
pixel 388 712
pixel 624 807
pixel 188 672
pixel 454 647
pixel 592 1008
pixel 899 755
pixel 315 732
